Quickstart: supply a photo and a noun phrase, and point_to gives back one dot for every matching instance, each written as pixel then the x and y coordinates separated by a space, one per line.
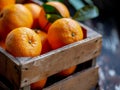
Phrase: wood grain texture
pixel 22 71
pixel 85 80
pixel 9 68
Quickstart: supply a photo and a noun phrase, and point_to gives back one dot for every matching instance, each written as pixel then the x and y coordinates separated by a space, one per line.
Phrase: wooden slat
pixel 80 81
pixel 9 68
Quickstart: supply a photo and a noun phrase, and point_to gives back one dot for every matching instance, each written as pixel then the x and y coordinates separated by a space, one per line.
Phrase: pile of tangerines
pixel 26 32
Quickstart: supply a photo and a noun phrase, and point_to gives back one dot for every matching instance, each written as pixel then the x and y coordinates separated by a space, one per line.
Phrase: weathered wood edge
pixel 84 80
pixel 2 51
pixel 10 68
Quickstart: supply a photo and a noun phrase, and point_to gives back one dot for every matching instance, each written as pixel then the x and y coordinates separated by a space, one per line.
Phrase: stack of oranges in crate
pixel 27 31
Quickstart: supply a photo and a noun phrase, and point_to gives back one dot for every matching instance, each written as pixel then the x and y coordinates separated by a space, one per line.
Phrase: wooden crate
pixel 20 72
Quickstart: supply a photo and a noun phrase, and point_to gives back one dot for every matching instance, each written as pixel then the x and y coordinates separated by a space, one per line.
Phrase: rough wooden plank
pixel 9 68
pixel 94 62
pixel 80 81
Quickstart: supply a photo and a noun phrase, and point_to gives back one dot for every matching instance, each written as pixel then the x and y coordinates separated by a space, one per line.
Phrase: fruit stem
pixel 29 41
pixel 73 34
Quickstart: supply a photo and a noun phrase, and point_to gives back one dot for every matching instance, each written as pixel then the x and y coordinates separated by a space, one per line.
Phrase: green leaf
pixel 52 17
pixel 50 9
pixel 90 2
pixel 77 4
pixel 85 13
pixel 52 13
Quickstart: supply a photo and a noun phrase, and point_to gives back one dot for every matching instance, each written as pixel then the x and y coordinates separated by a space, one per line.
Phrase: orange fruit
pixel 2 44
pixel 43 22
pixel 62 9
pixel 5 3
pixel 39 84
pixel 44 40
pixel 68 71
pixel 35 10
pixel 14 16
pixel 64 31
pixel 23 42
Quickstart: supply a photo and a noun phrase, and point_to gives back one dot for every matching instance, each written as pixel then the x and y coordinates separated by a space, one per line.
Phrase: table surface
pixel 109 59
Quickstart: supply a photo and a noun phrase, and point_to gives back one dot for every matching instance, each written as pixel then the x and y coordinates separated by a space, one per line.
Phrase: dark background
pixel 108 24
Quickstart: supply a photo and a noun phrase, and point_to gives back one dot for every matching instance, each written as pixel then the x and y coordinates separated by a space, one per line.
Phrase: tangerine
pixel 4 3
pixel 68 71
pixel 44 39
pixel 43 22
pixel 35 10
pixel 2 44
pixel 14 16
pixel 23 42
pixel 39 84
pixel 64 31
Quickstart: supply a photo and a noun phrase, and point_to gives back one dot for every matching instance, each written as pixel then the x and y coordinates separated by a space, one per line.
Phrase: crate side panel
pixel 80 81
pixel 9 69
pixel 54 63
